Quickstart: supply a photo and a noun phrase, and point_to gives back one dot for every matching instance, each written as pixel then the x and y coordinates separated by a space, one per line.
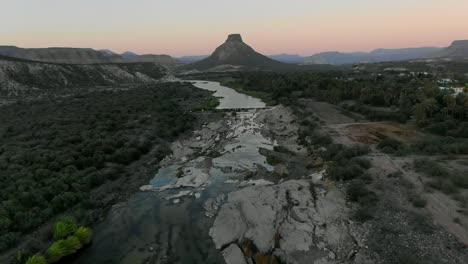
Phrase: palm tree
pixel 451 102
pixel 431 106
pixel 420 111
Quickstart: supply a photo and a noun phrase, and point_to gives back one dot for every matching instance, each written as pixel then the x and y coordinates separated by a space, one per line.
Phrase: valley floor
pixel 249 188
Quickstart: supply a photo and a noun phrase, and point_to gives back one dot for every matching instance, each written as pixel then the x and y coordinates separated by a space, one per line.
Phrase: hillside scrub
pixel 447 181
pixel 390 144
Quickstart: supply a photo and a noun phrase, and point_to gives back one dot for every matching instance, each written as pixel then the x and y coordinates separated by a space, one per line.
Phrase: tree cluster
pixel 54 152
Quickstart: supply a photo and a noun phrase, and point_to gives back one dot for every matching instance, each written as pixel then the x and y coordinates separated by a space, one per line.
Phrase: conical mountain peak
pixel 234 37
pixel 236 52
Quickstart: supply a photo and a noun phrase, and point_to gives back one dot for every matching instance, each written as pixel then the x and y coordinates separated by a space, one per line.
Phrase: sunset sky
pixel 192 27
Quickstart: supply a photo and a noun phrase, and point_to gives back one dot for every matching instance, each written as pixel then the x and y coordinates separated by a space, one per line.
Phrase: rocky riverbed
pixel 238 190
pixel 297 219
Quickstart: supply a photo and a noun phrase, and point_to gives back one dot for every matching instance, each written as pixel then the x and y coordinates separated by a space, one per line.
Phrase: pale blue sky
pixel 195 27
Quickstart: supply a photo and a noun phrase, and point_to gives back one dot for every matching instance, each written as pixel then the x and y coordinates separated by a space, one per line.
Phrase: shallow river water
pixel 152 227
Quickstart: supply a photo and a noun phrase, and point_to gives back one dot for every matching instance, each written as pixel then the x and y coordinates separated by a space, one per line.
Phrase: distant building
pixel 456 90
pixel 445 81
pixel 396 69
pixel 419 73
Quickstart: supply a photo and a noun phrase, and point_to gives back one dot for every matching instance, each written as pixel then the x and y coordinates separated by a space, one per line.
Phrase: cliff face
pixel 458 49
pixel 19 77
pixel 236 53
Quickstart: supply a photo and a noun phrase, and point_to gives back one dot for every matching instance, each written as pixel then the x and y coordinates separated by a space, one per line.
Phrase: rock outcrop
pixel 27 77
pixel 293 221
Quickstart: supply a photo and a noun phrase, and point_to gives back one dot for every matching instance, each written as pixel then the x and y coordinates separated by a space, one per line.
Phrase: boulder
pixel 233 255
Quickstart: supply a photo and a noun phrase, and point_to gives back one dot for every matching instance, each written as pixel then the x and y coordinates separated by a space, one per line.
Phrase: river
pixel 168 222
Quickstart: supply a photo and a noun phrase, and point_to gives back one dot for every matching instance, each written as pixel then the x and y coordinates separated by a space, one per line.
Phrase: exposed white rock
pixel 145 188
pixel 256 213
pixel 260 182
pixel 233 255
pixel 232 181
pixel 286 211
pixel 193 177
pixel 178 195
pixel 317 176
pixel 212 205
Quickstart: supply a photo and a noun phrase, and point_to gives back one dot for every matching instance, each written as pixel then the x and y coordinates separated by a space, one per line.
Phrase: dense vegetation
pixel 386 96
pixel 383 97
pixel 54 152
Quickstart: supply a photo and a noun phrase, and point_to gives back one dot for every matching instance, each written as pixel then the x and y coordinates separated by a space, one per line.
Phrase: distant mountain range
pixel 457 50
pixel 82 56
pixel 288 58
pixel 235 52
pixel 378 55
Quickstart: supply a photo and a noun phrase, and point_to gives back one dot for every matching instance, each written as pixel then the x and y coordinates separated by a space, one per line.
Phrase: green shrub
pixel 272 160
pixel 364 213
pixel 418 201
pixel 179 173
pixel 282 149
pixel 434 146
pixel 356 191
pixel 356 150
pixel 395 174
pixel 460 180
pixel 62 248
pixel 390 143
pixel 56 251
pixel 344 172
pixel 388 150
pixel 444 186
pixel 36 259
pixel 431 168
pixel 64 228
pixel 21 257
pixel 72 245
pixel 339 152
pixel 362 162
pixel 320 139
pixel 84 234
pixel 210 105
